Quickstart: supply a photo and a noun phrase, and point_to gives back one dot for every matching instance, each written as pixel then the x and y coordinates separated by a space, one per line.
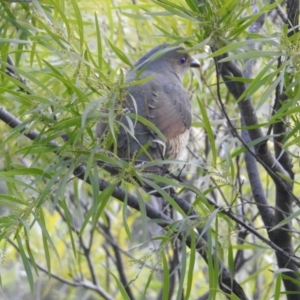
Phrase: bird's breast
pixel 176 146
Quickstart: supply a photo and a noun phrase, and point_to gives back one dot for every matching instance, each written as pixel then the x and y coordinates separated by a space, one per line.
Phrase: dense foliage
pixel 69 229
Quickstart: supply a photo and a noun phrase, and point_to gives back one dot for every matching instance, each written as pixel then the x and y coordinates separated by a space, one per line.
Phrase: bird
pixel 160 100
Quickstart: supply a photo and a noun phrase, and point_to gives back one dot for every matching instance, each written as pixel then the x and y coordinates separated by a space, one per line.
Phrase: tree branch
pixel 225 278
pixel 85 284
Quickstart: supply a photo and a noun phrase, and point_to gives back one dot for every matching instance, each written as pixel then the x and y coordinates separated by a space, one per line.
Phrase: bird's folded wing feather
pixel 170 109
pixel 163 102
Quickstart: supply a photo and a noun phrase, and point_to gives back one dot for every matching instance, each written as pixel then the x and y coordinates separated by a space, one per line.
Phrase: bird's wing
pixel 163 102
pixel 169 108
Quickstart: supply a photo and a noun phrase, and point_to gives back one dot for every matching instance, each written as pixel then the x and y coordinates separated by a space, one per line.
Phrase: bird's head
pixel 165 58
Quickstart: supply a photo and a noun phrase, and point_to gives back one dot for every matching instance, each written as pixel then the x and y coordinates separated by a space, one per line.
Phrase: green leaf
pixel 166 277
pixel 190 274
pixel 251 55
pixel 46 240
pixel 124 216
pixel 208 129
pixel 209 221
pixel 28 171
pixel 258 81
pixel 26 263
pixel 277 287
pixel 212 273
pixel 143 211
pixel 231 262
pixel 79 23
pixel 182 270
pixel 90 108
pixel 99 43
pixel 176 9
pixel 164 194
pixel 120 54
pixel 286 220
pixel 58 10
pixel 119 284
pixel 150 277
pixel 97 208
pixel 69 221
pixel 102 200
pixel 31 256
pixel 13 41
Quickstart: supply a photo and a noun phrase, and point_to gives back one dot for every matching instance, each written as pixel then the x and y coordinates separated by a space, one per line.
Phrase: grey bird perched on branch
pixel 161 101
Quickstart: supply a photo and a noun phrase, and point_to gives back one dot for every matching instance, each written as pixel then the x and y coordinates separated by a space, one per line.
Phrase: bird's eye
pixel 182 60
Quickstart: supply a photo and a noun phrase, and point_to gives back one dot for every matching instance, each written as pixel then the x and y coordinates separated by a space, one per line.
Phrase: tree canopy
pixel 74 220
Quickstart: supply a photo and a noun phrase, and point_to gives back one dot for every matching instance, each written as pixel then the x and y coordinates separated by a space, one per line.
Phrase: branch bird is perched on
pixel 163 101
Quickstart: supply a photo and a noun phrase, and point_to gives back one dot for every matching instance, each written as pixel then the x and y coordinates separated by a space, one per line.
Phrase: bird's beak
pixel 194 63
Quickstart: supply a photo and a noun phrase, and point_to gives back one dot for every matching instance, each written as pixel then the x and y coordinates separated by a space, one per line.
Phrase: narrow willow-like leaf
pixel 45 243
pixel 16 181
pixel 231 262
pixel 89 165
pixel 11 199
pixel 175 9
pixel 251 54
pixel 94 180
pixel 216 252
pixel 120 54
pixel 200 45
pixel 110 19
pixel 42 224
pixel 59 170
pixel 229 163
pixel 62 186
pixel 143 212
pixel 226 8
pixel 183 263
pixel 239 45
pixel 102 201
pixel 40 10
pixel 269 92
pixel 147 285
pixel 252 144
pixel 212 274
pixel 192 259
pixel 119 284
pixel 28 248
pixel 54 36
pixel 70 85
pixel 69 221
pixel 166 277
pixel 62 15
pixel 28 171
pixel 13 41
pixel 137 16
pixel 258 81
pixel 208 129
pixel 286 220
pixel 193 4
pixel 26 263
pixel 277 293
pixel 99 43
pixel 56 71
pixel 165 195
pixel 124 216
pixel 79 23
pixel 149 124
pixel 209 221
pixel 28 76
pixel 90 108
